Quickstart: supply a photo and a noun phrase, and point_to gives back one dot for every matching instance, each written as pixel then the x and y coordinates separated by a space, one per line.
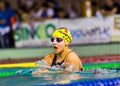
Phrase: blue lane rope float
pixel 98 82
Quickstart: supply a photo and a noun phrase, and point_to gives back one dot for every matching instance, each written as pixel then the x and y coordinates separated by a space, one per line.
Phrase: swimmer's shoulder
pixel 72 56
pixel 50 55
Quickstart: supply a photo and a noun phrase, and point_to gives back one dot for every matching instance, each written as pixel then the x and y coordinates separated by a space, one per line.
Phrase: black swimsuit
pixel 54 63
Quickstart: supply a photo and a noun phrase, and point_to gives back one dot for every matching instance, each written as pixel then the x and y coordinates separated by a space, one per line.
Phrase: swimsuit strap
pixel 54 60
pixel 59 63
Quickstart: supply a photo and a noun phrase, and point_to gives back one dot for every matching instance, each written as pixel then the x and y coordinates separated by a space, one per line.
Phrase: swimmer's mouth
pixel 55 47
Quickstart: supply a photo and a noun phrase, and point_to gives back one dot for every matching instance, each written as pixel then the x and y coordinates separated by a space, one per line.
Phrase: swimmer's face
pixel 58 44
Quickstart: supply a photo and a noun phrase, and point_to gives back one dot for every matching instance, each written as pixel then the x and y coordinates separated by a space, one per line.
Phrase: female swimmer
pixel 62 56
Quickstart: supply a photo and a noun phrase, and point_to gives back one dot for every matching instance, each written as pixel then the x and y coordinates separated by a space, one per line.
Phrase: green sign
pixel 40 32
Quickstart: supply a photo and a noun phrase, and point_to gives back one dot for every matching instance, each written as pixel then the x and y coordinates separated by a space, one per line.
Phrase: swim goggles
pixel 57 39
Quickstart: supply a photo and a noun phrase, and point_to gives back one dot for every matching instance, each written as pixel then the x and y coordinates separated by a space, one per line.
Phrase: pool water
pixel 24 77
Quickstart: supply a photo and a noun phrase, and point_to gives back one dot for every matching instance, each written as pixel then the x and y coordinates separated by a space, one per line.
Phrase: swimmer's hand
pixel 39 71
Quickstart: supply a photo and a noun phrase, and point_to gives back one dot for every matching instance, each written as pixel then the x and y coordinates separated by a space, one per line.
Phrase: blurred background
pixel 26 27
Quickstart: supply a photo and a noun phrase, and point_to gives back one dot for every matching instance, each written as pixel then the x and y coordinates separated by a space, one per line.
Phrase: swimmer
pixel 62 56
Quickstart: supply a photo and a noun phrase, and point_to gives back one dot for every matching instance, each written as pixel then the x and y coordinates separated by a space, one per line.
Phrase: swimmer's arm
pixel 48 59
pixel 39 71
pixel 73 59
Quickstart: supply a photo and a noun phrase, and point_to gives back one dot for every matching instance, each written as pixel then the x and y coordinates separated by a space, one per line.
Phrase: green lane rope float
pixel 4 74
pixel 101 65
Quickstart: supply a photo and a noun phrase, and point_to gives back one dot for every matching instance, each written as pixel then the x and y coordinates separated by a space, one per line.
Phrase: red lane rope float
pixel 101 58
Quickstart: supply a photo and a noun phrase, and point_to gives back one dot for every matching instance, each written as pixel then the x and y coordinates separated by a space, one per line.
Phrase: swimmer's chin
pixel 56 51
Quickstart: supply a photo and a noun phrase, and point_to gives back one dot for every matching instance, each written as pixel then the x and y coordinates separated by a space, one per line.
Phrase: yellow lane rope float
pixel 27 64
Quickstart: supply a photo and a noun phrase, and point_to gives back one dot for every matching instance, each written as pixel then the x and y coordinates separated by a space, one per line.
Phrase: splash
pixel 65 66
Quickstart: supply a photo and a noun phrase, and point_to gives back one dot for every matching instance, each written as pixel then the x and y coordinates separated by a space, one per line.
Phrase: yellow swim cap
pixel 64 33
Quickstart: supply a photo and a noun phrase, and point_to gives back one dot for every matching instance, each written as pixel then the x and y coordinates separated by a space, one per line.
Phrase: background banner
pixel 85 31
